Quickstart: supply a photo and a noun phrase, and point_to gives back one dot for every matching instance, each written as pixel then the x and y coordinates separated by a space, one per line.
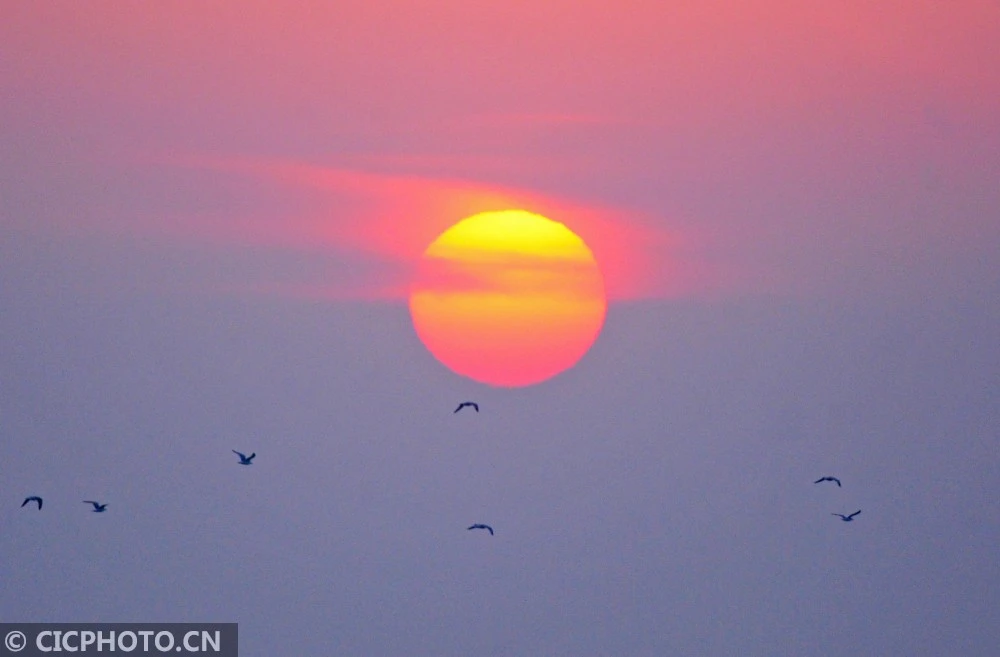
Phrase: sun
pixel 508 298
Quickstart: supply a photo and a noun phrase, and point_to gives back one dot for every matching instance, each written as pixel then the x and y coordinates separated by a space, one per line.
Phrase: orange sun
pixel 508 298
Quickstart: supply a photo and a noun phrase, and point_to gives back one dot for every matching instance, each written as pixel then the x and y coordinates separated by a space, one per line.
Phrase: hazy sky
pixel 209 215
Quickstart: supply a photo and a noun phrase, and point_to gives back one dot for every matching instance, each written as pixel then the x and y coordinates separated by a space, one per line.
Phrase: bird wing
pixel 475 406
pixel 26 500
pixel 855 513
pixel 820 480
pixel 491 529
pixel 239 454
pixel 836 480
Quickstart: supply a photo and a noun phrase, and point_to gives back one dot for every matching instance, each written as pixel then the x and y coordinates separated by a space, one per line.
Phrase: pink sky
pixel 705 146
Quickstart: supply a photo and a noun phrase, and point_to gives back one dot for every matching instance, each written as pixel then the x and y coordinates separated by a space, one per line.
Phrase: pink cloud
pixel 396 216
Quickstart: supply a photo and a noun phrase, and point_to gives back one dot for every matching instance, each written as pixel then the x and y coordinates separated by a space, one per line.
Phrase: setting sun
pixel 508 298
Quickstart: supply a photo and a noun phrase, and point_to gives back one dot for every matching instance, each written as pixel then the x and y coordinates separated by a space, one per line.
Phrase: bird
pixel 33 498
pixel 464 404
pixel 244 459
pixel 98 507
pixel 822 479
pixel 479 526
pixel 847 518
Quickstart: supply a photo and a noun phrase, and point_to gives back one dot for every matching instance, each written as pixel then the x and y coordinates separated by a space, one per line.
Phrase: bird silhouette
pixel 33 498
pixel 464 404
pixel 244 459
pixel 822 479
pixel 847 518
pixel 98 507
pixel 478 526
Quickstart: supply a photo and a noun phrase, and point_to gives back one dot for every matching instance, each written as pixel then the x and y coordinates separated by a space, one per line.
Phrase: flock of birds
pixel 248 460
pixel 847 518
pixel 98 507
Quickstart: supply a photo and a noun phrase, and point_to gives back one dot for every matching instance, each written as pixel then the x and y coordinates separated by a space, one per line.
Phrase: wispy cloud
pixel 397 215
pixel 528 120
pixel 509 272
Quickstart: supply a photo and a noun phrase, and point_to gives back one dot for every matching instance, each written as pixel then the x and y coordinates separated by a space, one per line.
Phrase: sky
pixel 210 215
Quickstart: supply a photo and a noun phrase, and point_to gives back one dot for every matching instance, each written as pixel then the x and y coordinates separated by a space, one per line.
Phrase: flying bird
pixel 822 479
pixel 33 498
pixel 464 404
pixel 847 518
pixel 244 459
pixel 478 526
pixel 98 507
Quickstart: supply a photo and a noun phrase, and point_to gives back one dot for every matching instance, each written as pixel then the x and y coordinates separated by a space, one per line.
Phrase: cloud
pixel 396 216
pixel 510 273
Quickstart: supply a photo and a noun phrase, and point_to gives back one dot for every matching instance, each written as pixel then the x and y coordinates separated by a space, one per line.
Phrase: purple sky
pixel 206 219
